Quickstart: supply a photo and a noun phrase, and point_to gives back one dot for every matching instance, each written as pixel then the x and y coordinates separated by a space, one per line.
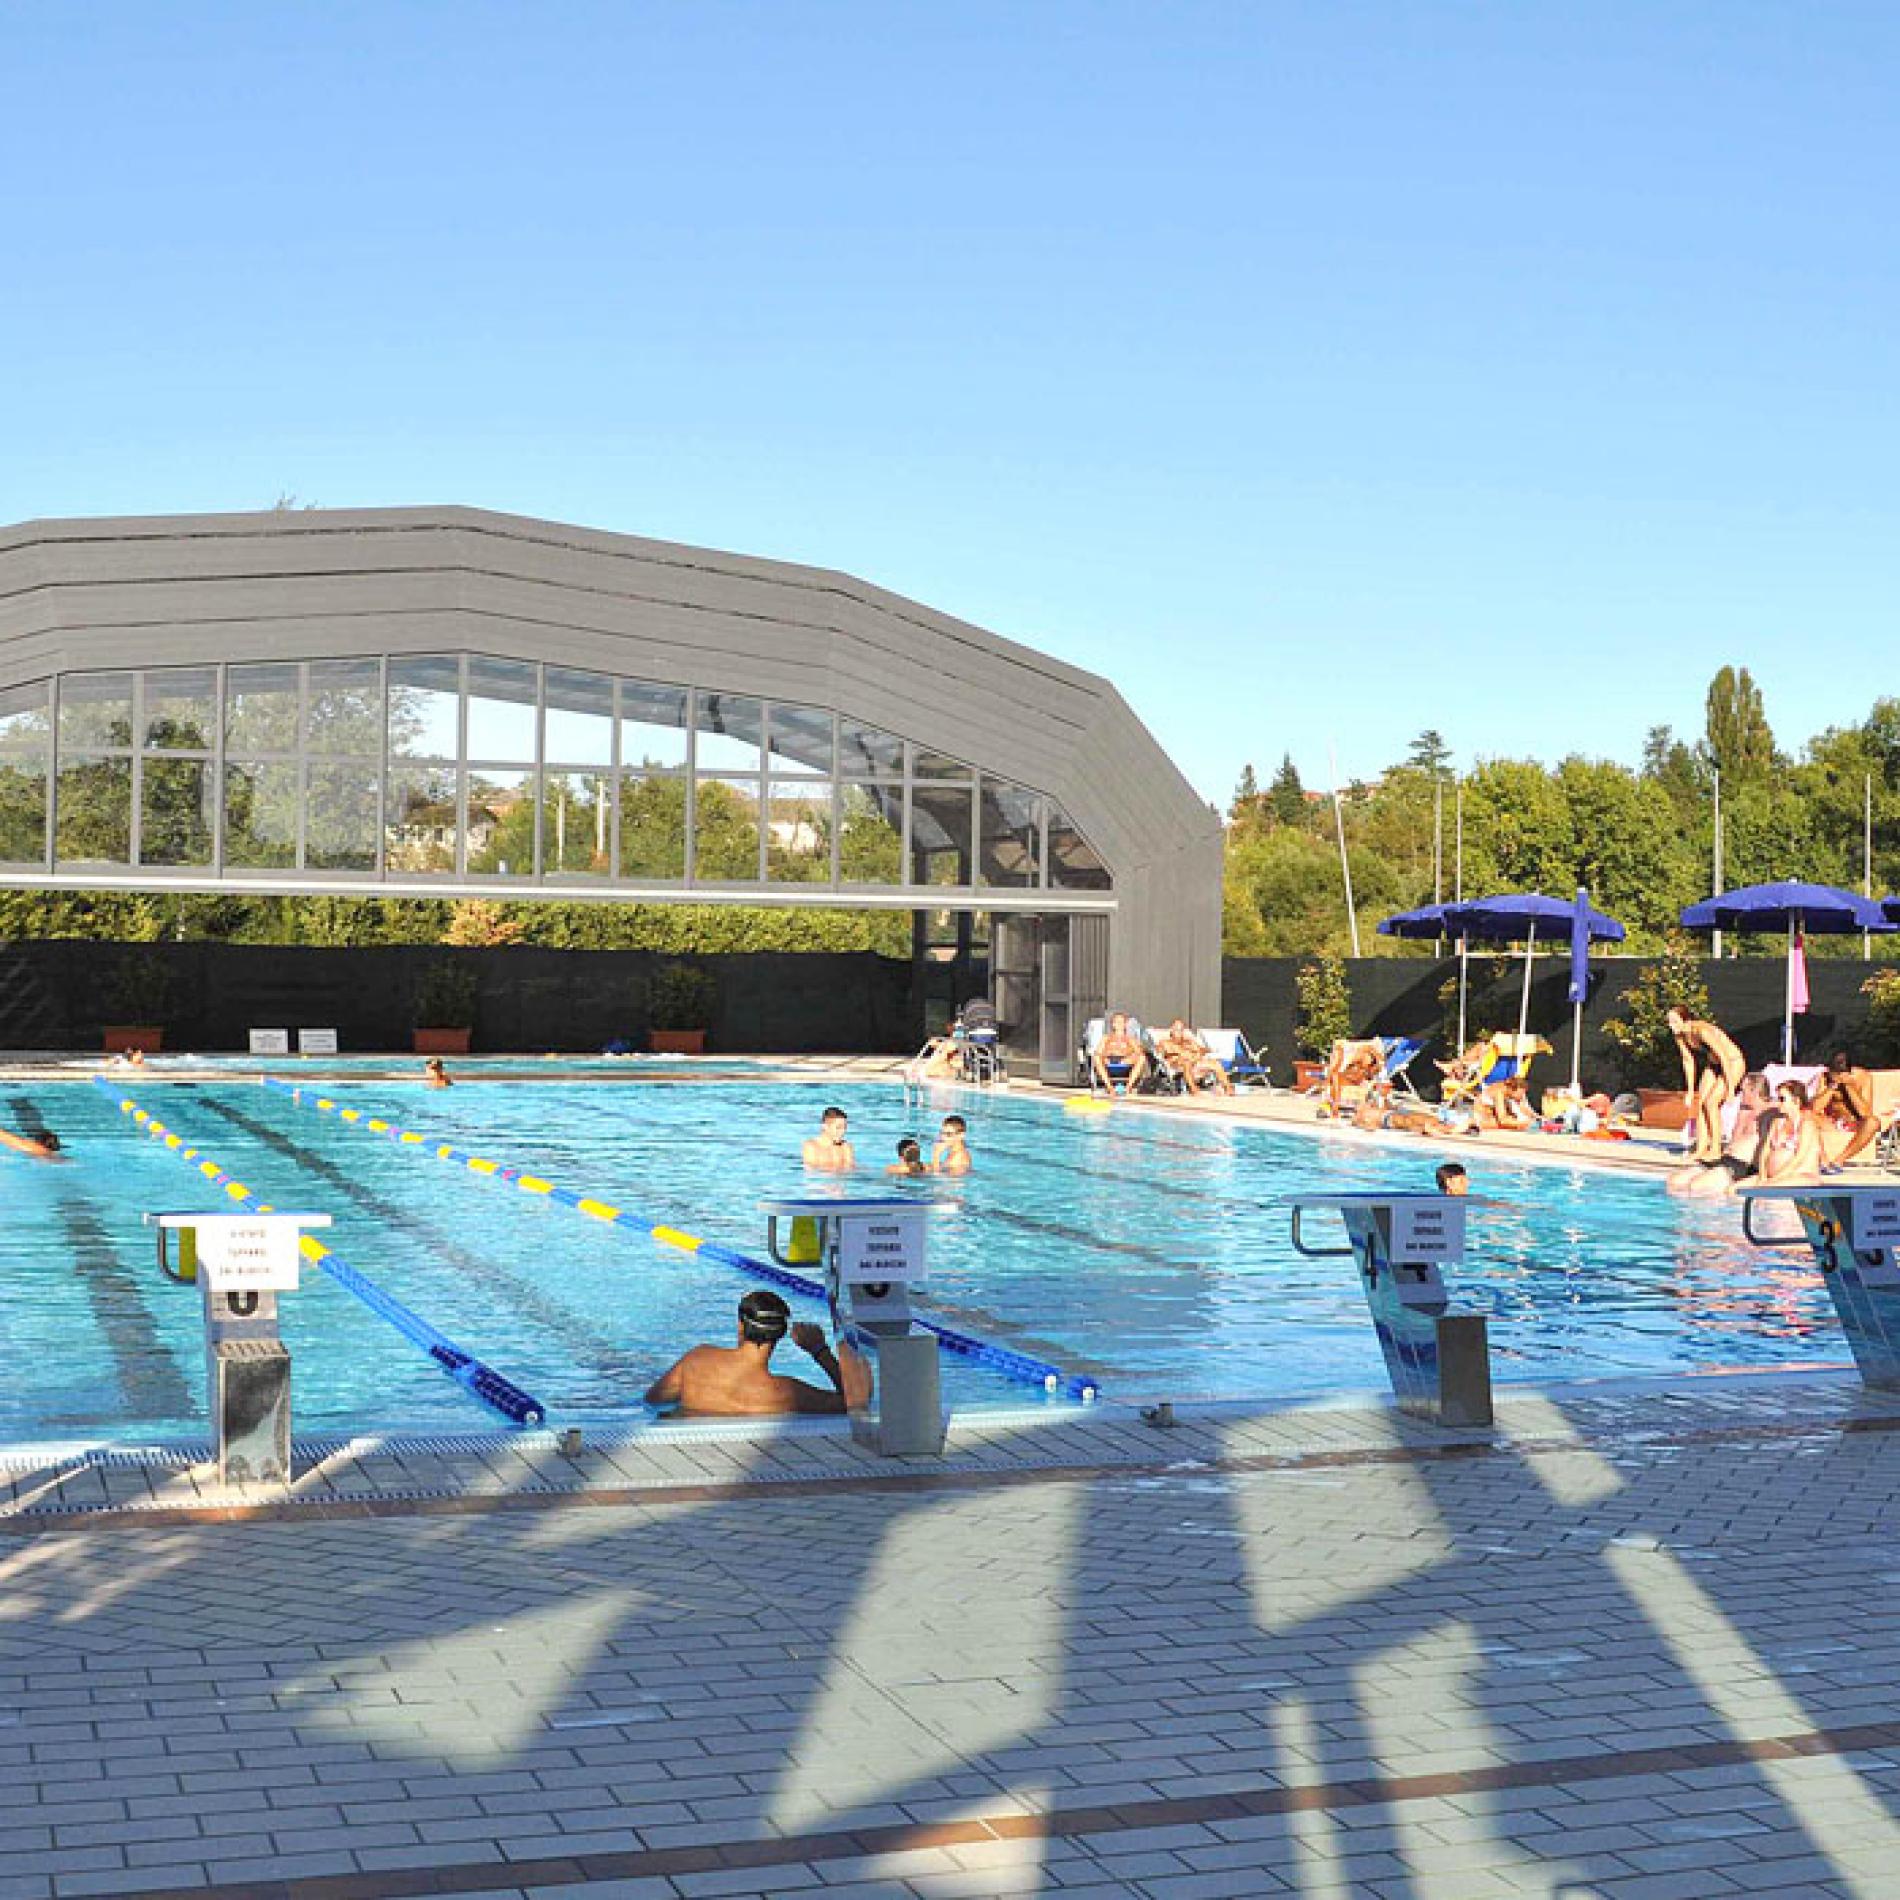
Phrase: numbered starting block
pixel 241 1263
pixel 871 1253
pixel 1439 1361
pixel 1854 1233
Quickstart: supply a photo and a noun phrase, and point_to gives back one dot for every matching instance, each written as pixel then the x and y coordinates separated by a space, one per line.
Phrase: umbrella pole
pixel 1576 1048
pixel 1787 1003
pixel 1524 1003
pixel 1463 969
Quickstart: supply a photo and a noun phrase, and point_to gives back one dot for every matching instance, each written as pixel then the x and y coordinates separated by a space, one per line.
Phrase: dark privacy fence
pixel 60 995
pixel 1399 996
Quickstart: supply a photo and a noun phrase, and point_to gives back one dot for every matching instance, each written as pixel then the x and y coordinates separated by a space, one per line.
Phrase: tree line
pixel 1642 838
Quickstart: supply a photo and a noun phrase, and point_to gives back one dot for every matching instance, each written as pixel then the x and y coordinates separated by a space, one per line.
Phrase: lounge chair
pixel 1092 1034
pixel 1396 1056
pixel 1241 1060
pixel 1504 1057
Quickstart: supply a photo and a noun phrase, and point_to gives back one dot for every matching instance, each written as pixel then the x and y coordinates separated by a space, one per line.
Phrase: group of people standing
pixel 1787 1134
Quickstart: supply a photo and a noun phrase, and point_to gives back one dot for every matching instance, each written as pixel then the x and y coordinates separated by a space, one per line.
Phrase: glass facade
pixel 471 768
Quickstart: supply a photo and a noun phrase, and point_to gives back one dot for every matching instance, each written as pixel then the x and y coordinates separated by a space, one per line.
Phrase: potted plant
pixel 1324 1005
pixel 138 999
pixel 680 1004
pixel 445 1009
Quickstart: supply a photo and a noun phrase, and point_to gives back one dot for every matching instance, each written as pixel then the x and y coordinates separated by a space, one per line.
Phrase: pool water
pixel 1149 1252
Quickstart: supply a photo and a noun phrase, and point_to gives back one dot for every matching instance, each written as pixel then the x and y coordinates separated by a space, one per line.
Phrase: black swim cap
pixel 764 1318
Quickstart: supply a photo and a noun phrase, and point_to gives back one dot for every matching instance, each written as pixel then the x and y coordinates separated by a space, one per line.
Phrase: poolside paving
pixel 1641 1640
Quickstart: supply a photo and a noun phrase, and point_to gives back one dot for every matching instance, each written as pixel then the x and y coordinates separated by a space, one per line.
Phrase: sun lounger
pixel 1237 1056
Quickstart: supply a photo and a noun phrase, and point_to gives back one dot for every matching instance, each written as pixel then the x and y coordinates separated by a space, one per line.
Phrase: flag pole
pixel 1787 1007
pixel 1867 859
pixel 1345 865
pixel 1524 1003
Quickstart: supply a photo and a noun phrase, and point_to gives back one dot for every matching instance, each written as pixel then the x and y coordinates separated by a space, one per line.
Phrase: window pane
pixel 936 765
pixel 22 810
pixel 726 831
pixel 577 824
pixel 871 844
pixel 95 710
pixel 867 752
pixel 798 834
pixel 345 710
pixel 798 740
pixel 580 718
pixel 1011 833
pixel 340 818
pixel 729 732
pixel 261 803
pixel 424 706
pixel 94 810
pixel 181 711
pixel 1073 866
pixel 177 811
pixel 419 825
pixel 260 709
pixel 940 835
pixel 26 723
pixel 501 697
pixel 500 822
pixel 652 827
pixel 652 725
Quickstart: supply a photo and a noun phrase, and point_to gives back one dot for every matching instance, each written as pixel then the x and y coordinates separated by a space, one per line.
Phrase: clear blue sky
pixel 1312 370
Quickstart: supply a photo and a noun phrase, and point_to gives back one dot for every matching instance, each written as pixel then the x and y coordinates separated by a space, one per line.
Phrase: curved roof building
pixel 449 702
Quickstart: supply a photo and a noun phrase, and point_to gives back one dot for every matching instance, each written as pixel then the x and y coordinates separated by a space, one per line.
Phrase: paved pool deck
pixel 1639 1639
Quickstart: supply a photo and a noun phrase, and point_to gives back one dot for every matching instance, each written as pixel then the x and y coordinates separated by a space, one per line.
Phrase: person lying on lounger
pixel 1183 1053
pixel 738 1381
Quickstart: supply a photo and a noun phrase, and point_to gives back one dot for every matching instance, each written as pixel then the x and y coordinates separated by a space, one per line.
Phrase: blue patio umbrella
pixel 1525 916
pixel 1820 909
pixel 1428 920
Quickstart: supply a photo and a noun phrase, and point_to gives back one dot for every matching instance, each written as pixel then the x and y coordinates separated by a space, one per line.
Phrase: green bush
pixel 1882 991
pixel 1646 1052
pixel 445 996
pixel 681 996
pixel 1325 1005
pixel 139 992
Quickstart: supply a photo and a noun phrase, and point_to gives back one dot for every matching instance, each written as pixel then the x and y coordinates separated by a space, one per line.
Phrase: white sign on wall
pixel 881 1246
pixel 1874 1219
pixel 249 1253
pixel 270 1042
pixel 1429 1232
pixel 316 1042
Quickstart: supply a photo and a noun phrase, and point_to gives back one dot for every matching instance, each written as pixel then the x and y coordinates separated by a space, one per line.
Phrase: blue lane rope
pixel 488 1385
pixel 1014 1365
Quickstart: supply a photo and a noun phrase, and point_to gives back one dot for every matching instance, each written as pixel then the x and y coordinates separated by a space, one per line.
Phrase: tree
pixel 1429 753
pixel 1740 743
pixel 1246 795
pixel 1324 1001
pixel 1286 796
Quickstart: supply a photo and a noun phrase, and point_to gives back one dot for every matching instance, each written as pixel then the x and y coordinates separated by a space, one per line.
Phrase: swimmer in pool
pixel 435 1076
pixel 41 1147
pixel 951 1155
pixel 738 1381
pixel 910 1158
pixel 1453 1180
pixel 829 1151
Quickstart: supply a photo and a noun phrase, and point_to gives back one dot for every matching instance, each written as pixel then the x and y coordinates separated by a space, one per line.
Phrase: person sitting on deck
pixel 738 1381
pixel 1184 1054
pixel 1121 1047
pixel 1506 1105
pixel 1351 1064
pixel 43 1146
pixel 829 1151
pixel 1790 1151
pixel 1708 1179
pixel 1844 1101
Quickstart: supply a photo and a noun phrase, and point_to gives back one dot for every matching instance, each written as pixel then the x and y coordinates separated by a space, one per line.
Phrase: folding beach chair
pixel 1504 1057
pixel 1400 1053
pixel 1092 1034
pixel 1242 1061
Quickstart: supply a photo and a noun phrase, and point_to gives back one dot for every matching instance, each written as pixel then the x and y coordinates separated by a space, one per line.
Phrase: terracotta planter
pixel 677 1042
pixel 442 1042
pixel 1663 1108
pixel 1309 1077
pixel 122 1040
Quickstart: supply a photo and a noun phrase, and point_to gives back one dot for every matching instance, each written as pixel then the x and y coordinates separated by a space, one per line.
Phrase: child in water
pixel 951 1155
pixel 910 1158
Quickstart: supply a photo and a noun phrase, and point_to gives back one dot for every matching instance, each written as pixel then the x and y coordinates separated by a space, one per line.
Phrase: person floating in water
pixel 738 1381
pixel 829 1151
pixel 951 1155
pixel 43 1146
pixel 435 1076
pixel 910 1158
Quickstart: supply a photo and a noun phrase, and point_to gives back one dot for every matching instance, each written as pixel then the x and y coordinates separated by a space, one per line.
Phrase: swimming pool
pixel 1147 1251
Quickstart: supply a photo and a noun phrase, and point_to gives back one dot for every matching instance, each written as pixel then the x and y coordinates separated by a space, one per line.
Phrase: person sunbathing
pixel 1790 1152
pixel 1185 1055
pixel 1120 1047
pixel 1844 1104
pixel 1506 1105
pixel 1351 1065
pixel 1701 1180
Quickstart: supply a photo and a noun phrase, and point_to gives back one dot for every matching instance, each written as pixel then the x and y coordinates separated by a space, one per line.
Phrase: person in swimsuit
pixel 1790 1151
pixel 951 1155
pixel 738 1381
pixel 1845 1104
pixel 1706 1179
pixel 910 1158
pixel 435 1076
pixel 1712 1070
pixel 1120 1045
pixel 829 1151
pixel 1453 1180
pixel 42 1147
pixel 1184 1054
pixel 1352 1064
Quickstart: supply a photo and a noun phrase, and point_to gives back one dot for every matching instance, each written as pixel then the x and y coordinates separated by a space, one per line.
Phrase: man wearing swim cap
pixel 738 1381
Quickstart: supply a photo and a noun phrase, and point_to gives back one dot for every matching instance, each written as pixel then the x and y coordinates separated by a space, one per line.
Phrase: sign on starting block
pixel 248 1253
